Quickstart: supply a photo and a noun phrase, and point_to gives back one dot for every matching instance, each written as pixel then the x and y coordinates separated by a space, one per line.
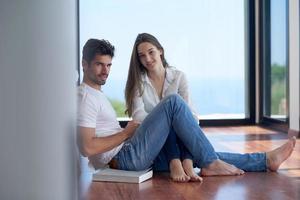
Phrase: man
pixel 138 146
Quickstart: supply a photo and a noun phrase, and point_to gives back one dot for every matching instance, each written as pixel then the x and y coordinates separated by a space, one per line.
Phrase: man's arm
pixel 91 145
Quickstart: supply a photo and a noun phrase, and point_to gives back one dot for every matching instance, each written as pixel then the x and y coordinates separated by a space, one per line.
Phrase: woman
pixel 150 79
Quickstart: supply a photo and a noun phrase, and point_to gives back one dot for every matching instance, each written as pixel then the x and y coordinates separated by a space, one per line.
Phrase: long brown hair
pixel 136 69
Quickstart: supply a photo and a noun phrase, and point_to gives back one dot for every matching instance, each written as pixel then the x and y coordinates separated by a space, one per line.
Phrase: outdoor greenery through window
pixel 203 38
pixel 278 90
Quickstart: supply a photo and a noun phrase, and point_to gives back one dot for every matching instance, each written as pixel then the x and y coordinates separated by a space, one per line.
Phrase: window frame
pixel 265 66
pixel 250 84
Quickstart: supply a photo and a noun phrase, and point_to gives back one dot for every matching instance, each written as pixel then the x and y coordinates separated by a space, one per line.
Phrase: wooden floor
pixel 281 185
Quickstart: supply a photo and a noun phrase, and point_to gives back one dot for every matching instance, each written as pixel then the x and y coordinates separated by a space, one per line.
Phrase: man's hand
pixel 131 127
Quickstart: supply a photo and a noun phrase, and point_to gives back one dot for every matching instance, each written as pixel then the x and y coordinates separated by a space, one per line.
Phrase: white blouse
pixel 175 83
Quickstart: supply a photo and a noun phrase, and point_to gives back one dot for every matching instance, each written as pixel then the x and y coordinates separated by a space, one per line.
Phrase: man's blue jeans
pixel 143 149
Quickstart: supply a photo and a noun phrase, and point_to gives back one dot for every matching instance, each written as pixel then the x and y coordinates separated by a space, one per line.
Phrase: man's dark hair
pixel 94 46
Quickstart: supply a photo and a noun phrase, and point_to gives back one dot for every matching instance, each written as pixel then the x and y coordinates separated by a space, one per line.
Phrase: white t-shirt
pixel 175 83
pixel 95 111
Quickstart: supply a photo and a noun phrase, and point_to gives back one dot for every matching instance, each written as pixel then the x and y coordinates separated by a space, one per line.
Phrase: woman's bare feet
pixel 277 156
pixel 187 165
pixel 176 171
pixel 221 168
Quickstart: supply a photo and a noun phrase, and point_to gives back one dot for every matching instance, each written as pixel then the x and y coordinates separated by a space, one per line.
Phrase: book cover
pixel 116 175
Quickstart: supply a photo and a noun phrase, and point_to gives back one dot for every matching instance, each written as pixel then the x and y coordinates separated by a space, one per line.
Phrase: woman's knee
pixel 173 97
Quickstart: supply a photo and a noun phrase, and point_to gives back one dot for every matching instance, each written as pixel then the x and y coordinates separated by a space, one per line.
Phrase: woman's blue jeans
pixel 143 149
pixel 174 148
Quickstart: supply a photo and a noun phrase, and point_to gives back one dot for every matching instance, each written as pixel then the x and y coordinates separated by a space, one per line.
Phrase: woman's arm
pixel 183 91
pixel 138 112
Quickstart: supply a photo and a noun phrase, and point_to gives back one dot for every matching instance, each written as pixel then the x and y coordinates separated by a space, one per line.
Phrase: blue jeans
pixel 143 149
pixel 172 149
pixel 175 149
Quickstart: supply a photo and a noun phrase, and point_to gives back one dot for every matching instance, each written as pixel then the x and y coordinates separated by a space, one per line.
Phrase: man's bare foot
pixel 187 165
pixel 176 171
pixel 221 168
pixel 277 156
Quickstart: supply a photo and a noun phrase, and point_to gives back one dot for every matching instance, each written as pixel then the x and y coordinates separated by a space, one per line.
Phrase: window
pixel 275 64
pixel 204 38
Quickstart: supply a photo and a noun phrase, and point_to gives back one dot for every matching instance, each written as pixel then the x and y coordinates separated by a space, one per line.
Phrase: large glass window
pixel 275 64
pixel 278 58
pixel 203 38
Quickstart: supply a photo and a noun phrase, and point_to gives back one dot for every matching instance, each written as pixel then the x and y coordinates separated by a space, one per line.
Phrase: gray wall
pixel 294 64
pixel 38 57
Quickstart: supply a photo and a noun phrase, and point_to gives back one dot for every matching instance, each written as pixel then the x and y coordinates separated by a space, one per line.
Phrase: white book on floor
pixel 116 175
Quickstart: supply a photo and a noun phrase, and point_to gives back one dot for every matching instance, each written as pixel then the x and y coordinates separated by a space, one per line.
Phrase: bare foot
pixel 176 171
pixel 276 157
pixel 221 168
pixel 187 165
